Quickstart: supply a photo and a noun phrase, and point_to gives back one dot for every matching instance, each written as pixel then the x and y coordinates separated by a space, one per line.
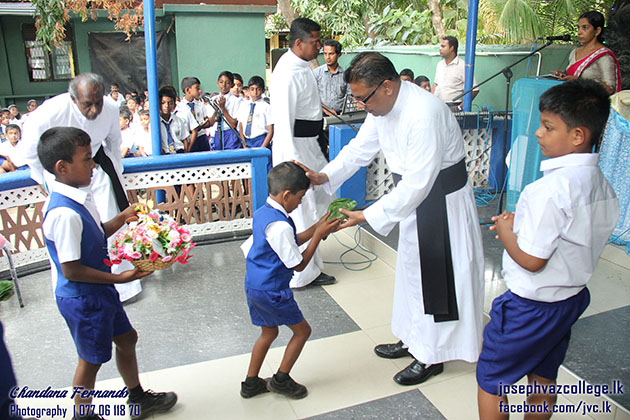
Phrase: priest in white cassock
pixel 296 113
pixel 85 107
pixel 438 296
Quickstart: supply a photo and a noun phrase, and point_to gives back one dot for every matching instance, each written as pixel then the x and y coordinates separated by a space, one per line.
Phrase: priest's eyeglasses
pixel 367 98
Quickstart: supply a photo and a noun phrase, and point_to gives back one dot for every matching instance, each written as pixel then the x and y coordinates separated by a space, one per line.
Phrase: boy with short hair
pixel 237 87
pixel 224 138
pixel 552 244
pixel 173 130
pixel 272 256
pixel 5 120
pixel 192 110
pixel 143 134
pixel 254 119
pixel 77 246
pixel 128 146
pixel 9 147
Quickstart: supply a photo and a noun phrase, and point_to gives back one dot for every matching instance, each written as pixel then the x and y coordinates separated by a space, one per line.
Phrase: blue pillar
pixel 151 60
pixel 471 40
pixel 152 86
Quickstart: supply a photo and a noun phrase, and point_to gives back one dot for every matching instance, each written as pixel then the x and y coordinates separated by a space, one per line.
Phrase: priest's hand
pixel 317 178
pixel 353 217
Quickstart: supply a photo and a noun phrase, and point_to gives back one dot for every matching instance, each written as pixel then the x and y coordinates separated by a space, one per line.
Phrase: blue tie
pixel 191 105
pixel 169 136
pixel 248 126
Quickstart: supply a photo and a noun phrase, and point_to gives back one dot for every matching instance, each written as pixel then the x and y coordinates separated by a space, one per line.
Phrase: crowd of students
pixel 11 122
pixel 236 117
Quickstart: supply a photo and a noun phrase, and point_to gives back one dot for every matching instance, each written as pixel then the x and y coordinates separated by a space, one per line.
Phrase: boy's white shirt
pixel 260 120
pixel 64 226
pixel 128 137
pixel 179 131
pixel 143 139
pixel 280 237
pixel 567 226
pixel 182 110
pixel 7 149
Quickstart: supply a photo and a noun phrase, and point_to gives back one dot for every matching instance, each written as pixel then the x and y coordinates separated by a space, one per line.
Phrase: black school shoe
pixel 256 387
pixel 154 402
pixel 290 388
pixel 323 280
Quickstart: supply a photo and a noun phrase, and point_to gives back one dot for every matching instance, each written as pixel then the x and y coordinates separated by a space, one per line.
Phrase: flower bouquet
pixel 153 242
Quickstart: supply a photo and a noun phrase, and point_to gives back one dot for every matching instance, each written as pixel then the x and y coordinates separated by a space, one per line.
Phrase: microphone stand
pixel 507 72
pixel 222 118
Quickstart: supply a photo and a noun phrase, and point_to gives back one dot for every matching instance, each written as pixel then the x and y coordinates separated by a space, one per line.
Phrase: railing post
pixel 259 181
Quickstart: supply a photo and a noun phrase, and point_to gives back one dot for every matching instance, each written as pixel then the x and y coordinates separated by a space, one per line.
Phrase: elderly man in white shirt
pixel 450 74
pixel 439 288
pixel 85 107
pixel 297 117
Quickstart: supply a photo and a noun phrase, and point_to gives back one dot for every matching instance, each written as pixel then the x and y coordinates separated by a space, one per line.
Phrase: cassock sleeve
pixel 283 106
pixel 420 156
pixel 358 153
pixel 39 121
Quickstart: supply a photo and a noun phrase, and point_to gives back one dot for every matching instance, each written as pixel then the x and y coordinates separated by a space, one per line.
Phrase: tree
pixel 52 15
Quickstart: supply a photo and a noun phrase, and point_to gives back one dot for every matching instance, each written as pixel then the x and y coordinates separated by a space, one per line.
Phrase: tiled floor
pixel 195 339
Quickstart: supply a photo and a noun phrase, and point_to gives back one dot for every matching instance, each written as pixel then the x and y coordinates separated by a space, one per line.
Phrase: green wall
pixel 489 59
pixel 209 43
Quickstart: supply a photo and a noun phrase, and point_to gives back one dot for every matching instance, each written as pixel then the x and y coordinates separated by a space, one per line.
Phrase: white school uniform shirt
pixel 233 106
pixel 567 217
pixel 260 120
pixel 143 138
pixel 104 131
pixel 281 239
pixel 294 95
pixel 195 119
pixel 419 137
pixel 129 139
pixel 64 226
pixel 179 131
pixel 450 79
pixel 8 150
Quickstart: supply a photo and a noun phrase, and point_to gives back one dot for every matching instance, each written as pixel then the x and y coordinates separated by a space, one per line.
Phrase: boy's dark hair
pixel 13 127
pixel 188 82
pixel 60 143
pixel 407 72
pixel 144 112
pixel 596 19
pixel 237 77
pixel 256 81
pixel 452 42
pixel 579 102
pixel 124 113
pixel 370 68
pixel 287 176
pixel 169 92
pixel 335 44
pixel 3 110
pixel 134 98
pixel 227 74
pixel 301 28
pixel 421 79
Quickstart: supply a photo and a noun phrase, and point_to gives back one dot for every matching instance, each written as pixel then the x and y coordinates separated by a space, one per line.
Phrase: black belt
pixel 436 263
pixel 307 128
pixel 106 163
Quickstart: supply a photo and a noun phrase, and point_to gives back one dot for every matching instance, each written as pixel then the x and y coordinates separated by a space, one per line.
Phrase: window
pixel 44 65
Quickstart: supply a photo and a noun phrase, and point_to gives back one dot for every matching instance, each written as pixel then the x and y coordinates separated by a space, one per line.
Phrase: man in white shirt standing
pixel 84 106
pixel 296 113
pixel 450 74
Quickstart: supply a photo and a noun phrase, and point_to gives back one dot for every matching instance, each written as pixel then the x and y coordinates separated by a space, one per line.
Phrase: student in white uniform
pixel 192 110
pixel 174 131
pixel 438 296
pixel 296 114
pixel 85 107
pixel 552 244
pixel 224 137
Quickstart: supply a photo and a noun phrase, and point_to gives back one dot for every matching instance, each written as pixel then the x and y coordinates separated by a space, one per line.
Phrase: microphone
pixel 565 38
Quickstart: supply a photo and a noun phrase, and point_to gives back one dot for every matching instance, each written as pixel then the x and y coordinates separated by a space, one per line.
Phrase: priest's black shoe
pixel 323 280
pixel 391 351
pixel 417 372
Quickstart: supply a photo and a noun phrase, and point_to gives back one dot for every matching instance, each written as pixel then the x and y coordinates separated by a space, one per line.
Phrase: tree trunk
pixel 436 17
pixel 287 12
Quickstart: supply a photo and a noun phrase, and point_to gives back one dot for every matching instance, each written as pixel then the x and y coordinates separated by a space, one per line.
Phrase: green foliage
pixel 50 20
pixel 401 27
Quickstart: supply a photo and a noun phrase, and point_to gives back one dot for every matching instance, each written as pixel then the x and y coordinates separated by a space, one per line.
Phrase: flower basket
pixel 153 242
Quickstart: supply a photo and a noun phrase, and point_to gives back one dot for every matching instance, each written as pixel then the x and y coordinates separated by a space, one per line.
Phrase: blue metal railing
pixel 258 157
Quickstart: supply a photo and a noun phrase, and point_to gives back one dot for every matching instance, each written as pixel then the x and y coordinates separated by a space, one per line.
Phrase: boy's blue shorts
pixel 269 308
pixel 94 320
pixel 526 336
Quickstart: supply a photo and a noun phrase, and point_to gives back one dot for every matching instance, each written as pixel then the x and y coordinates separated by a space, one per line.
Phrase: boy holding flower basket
pixel 77 245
